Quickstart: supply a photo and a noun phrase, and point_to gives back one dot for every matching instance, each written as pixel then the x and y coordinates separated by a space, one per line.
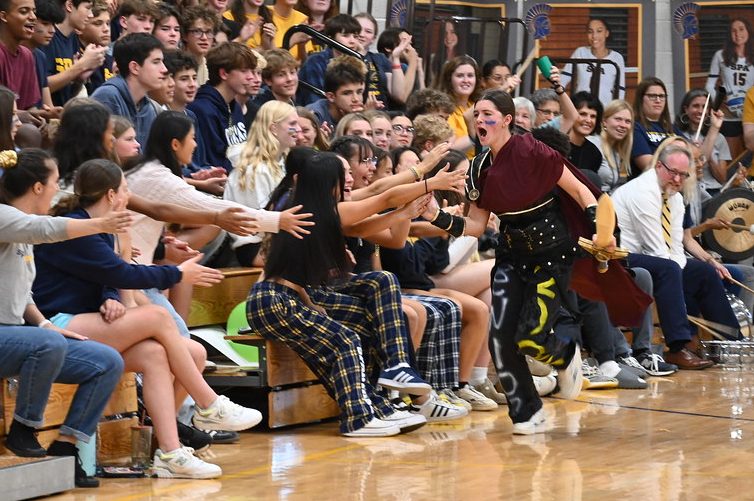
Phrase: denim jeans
pixel 36 356
pixel 40 357
pixel 96 368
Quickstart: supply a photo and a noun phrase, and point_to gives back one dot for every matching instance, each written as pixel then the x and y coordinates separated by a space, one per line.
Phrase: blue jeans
pixel 36 356
pixel 41 357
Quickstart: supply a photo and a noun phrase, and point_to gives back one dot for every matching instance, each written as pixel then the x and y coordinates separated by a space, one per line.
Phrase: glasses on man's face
pixel 548 113
pixel 676 173
pixel 208 34
pixel 656 97
pixel 400 129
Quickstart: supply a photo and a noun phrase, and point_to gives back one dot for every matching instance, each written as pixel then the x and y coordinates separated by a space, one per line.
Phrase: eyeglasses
pixel 676 173
pixel 656 97
pixel 208 34
pixel 548 113
pixel 368 160
pixel 400 129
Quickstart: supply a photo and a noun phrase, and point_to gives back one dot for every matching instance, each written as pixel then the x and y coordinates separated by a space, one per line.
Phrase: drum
pixel 736 206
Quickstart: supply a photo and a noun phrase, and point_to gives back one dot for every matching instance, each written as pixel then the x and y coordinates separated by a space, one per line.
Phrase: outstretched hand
pixel 295 223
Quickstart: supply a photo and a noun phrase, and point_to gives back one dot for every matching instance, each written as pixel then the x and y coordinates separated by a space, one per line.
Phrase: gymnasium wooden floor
pixel 688 437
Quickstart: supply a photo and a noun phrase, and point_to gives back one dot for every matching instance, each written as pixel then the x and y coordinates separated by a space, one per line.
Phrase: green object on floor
pixel 237 321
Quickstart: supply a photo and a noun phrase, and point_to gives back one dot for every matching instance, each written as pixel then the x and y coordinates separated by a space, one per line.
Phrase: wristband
pixel 426 189
pixel 44 323
pixel 591 216
pixel 417 176
pixel 396 66
pixel 559 90
pixel 454 225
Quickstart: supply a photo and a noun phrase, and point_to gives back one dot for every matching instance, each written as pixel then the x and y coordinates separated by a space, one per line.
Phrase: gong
pixel 735 206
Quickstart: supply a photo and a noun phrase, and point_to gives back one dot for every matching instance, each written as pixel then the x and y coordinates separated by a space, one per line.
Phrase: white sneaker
pixel 375 428
pixel 545 385
pixel 488 390
pixel 436 409
pixel 535 424
pixel 448 396
pixel 538 368
pixel 226 415
pixel 570 378
pixel 478 401
pixel 406 421
pixel 181 463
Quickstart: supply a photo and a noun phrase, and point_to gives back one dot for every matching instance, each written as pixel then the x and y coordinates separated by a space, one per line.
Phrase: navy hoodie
pixel 77 276
pixel 115 96
pixel 221 125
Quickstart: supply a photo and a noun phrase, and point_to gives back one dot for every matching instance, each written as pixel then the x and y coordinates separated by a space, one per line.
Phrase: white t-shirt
pixel 584 74
pixel 736 78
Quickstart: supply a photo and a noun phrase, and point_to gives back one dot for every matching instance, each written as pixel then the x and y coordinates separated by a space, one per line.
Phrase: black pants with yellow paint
pixel 525 305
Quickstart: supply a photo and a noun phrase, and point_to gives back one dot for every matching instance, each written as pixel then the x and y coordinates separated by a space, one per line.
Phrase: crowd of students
pixel 362 193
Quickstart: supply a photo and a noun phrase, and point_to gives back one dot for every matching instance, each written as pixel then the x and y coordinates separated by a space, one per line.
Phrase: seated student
pixel 49 13
pixel 341 28
pixel 250 22
pixel 382 129
pixel 67 66
pixel 125 148
pixel 261 167
pixel 403 130
pixel 200 26
pixel 167 26
pixel 141 69
pixel 76 286
pixel 584 154
pixel 396 44
pixel 429 131
pixel 429 101
pixel 135 16
pixel 17 63
pixel 497 74
pixel 354 124
pixel 284 16
pixel 280 77
pixel 312 134
pixel 97 32
pixel 218 115
pixel 652 123
pixel 330 330
pixel 344 88
pixel 46 354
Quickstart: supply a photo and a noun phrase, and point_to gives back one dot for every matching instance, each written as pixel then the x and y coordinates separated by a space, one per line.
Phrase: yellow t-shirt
pixel 458 124
pixel 748 116
pixel 255 41
pixel 283 24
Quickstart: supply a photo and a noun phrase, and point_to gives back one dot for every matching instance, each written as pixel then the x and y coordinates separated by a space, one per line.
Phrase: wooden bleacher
pixel 283 388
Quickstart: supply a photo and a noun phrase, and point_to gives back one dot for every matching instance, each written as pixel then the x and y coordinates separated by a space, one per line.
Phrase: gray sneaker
pixel 627 380
pixel 633 365
pixel 488 390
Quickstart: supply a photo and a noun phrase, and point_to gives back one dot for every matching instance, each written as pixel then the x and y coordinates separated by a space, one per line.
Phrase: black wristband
pixel 454 225
pixel 559 90
pixel 591 216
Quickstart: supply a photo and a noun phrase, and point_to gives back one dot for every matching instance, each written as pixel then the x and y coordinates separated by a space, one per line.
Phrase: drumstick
pixel 701 122
pixel 730 181
pixel 736 282
pixel 741 227
pixel 527 61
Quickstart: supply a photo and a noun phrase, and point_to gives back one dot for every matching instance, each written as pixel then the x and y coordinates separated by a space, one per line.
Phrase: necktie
pixel 666 221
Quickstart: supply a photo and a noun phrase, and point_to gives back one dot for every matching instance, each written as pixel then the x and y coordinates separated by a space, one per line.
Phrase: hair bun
pixel 8 159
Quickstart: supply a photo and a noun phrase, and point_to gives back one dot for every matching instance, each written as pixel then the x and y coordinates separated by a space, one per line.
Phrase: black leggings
pixel 523 313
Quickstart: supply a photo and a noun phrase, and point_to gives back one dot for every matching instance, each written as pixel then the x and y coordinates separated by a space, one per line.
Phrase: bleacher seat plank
pixel 212 305
pixel 114 440
pixel 300 405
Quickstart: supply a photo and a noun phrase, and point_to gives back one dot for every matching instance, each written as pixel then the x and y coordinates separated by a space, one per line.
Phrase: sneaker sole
pixel 388 431
pixel 572 377
pixel 483 407
pixel 599 385
pixel 199 423
pixel 412 388
pixel 660 373
pixel 165 473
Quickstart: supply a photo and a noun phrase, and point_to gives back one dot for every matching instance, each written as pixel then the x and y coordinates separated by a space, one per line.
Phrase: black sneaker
pixel 60 448
pixel 224 437
pixel 22 441
pixel 193 437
